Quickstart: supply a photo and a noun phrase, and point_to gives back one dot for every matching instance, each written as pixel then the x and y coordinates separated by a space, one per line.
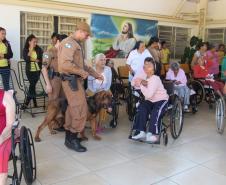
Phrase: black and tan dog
pixel 98 101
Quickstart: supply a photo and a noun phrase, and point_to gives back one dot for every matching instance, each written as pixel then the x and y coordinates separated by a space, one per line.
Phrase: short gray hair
pixel 174 66
pixel 98 57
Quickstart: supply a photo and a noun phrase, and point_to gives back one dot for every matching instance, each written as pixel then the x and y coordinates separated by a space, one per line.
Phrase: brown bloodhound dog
pixel 102 99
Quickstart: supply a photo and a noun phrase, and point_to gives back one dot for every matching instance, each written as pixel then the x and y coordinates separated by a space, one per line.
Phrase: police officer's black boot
pixel 73 142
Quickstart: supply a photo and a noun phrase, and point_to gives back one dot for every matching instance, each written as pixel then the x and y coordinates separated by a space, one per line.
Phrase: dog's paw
pixel 37 139
pixel 96 137
pixel 52 132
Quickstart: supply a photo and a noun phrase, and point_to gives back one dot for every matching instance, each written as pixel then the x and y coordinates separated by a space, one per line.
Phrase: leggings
pixel 33 78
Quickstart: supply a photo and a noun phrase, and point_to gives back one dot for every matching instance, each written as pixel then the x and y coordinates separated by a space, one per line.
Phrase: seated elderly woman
pixel 7 118
pixel 202 71
pixel 155 104
pixel 95 85
pixel 177 75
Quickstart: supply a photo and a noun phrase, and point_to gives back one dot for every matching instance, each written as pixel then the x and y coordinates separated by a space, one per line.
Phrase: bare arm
pixel 9 103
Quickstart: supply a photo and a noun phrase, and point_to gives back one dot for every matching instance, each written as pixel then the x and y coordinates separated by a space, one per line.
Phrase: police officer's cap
pixel 85 27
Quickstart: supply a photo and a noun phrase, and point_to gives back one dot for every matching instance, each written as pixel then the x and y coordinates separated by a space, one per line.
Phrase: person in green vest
pixel 5 55
pixel 32 55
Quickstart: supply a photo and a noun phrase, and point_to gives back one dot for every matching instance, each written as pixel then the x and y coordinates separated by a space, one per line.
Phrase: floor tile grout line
pixel 212 170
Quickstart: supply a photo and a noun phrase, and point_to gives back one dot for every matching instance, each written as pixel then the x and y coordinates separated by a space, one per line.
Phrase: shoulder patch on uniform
pixel 67 45
pixel 45 56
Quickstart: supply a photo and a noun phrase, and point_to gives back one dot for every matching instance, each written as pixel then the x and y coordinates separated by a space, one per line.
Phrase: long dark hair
pixel 29 38
pixel 152 40
pixel 137 45
pixel 5 41
pixel 130 30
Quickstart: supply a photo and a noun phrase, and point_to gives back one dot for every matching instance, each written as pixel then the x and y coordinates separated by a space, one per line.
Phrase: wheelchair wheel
pixel 199 89
pixel 176 118
pixel 220 115
pixel 28 159
pixel 131 106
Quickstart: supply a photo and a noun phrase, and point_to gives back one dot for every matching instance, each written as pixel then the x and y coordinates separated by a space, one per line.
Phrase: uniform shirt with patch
pixel 50 59
pixel 71 59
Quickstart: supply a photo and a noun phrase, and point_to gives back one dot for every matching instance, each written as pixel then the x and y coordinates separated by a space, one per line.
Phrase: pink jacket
pixel 154 91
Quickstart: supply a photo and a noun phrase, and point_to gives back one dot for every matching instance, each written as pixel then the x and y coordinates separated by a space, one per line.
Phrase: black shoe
pixel 72 142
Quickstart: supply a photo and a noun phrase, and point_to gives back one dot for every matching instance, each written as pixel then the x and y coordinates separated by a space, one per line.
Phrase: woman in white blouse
pixel 95 85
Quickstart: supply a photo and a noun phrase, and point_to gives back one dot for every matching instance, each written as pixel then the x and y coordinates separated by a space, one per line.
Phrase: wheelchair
pixel 23 151
pixel 220 114
pixel 212 97
pixel 23 156
pixel 116 89
pixel 174 115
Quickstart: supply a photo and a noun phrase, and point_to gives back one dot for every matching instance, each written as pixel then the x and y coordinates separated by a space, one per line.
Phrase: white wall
pixel 11 21
pixel 216 10
pixel 162 7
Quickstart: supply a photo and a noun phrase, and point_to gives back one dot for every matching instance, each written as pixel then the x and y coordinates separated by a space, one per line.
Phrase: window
pixel 177 39
pixel 216 35
pixel 43 25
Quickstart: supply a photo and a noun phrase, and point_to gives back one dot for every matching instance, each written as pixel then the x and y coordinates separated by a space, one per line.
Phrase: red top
pixel 2 113
pixel 200 72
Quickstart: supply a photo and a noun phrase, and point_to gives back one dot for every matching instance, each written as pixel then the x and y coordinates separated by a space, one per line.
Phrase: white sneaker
pixel 152 139
pixel 186 109
pixel 141 135
pixel 148 135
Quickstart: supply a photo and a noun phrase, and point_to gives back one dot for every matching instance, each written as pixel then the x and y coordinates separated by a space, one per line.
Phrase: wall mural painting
pixel 116 36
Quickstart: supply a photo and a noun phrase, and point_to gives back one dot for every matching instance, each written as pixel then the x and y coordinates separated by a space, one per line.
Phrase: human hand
pixel 144 83
pixel 1 55
pixel 84 75
pixel 100 77
pixel 137 82
pixel 177 82
pixel 49 89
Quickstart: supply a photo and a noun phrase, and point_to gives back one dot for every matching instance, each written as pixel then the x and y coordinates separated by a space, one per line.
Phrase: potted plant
pixel 190 51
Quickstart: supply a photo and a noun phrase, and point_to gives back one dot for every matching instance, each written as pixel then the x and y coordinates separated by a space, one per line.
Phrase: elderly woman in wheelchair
pixel 201 72
pixel 177 75
pixel 155 104
pixel 7 118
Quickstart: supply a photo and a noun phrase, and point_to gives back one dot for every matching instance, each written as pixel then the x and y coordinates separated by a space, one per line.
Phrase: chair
pixel 41 96
pixel 123 73
pixel 9 81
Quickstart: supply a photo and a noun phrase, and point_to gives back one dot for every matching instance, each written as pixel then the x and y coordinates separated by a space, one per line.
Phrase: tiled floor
pixel 196 158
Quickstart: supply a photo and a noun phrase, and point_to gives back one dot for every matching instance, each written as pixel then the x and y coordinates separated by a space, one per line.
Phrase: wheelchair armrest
pixel 15 124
